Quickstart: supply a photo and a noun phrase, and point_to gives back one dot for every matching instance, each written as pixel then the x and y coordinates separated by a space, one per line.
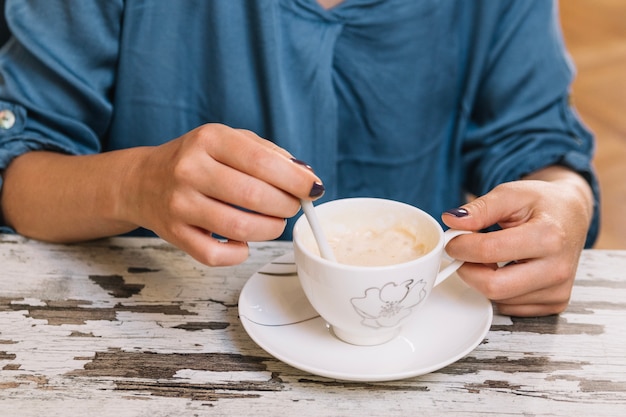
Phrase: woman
pixel 182 118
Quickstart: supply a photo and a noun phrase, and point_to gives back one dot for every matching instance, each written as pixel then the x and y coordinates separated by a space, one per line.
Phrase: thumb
pixel 496 207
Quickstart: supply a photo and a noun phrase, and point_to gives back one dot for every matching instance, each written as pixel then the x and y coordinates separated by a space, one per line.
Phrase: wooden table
pixel 134 327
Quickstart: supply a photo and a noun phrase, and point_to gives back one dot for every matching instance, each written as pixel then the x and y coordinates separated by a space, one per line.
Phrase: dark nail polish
pixel 317 190
pixel 457 212
pixel 299 162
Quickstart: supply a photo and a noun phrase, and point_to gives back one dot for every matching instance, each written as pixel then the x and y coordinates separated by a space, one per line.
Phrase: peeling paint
pixel 77 311
pixel 471 364
pixel 197 392
pixel 140 270
pixel 4 356
pixel 152 365
pixel 366 386
pixel 116 286
pixel 491 384
pixel 67 312
pixel 177 347
pixel 195 326
pixel 548 325
pixel 81 334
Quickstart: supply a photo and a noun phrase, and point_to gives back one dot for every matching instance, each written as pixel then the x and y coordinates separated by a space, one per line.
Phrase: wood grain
pixel 161 337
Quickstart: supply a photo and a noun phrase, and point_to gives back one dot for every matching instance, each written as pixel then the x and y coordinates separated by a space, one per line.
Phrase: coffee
pixel 377 247
pixel 365 304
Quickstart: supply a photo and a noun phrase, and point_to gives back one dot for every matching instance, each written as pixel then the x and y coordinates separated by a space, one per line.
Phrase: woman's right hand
pixel 215 180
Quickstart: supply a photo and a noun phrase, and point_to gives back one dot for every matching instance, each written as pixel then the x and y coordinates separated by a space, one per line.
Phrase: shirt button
pixel 7 119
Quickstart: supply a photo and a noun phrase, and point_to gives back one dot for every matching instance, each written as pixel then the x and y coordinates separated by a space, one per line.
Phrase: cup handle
pixel 446 272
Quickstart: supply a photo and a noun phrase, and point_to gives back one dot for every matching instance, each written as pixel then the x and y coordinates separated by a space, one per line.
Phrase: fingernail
pixel 299 162
pixel 317 190
pixel 457 212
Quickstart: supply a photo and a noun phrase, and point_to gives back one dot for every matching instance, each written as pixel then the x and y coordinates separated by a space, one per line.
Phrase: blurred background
pixel 595 34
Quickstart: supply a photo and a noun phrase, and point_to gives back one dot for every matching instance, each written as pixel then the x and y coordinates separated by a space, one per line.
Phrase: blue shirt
pixel 419 101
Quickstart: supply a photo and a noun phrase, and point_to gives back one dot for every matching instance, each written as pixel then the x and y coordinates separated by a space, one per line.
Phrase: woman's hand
pixel 217 180
pixel 544 220
pixel 212 180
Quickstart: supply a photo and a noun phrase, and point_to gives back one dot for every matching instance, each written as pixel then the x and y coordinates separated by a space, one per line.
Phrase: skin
pixel 544 220
pixel 329 4
pixel 183 190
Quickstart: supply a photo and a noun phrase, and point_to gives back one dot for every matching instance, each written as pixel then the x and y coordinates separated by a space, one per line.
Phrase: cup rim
pixel 318 258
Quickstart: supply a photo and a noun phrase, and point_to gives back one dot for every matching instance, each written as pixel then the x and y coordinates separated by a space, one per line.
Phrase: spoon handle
pixel 318 233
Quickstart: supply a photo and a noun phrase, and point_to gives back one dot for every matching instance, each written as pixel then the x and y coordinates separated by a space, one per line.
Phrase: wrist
pixel 572 183
pixel 126 197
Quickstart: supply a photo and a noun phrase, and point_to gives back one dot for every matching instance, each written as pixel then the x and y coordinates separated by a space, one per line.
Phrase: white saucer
pixel 454 320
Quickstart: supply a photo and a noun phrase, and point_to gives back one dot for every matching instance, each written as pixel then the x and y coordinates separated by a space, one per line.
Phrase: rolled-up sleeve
pixel 56 77
pixel 57 81
pixel 522 119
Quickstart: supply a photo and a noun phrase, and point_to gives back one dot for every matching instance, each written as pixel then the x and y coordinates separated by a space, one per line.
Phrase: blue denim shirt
pixel 419 101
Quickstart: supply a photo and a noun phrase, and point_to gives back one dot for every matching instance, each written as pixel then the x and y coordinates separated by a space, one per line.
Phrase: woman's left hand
pixel 544 220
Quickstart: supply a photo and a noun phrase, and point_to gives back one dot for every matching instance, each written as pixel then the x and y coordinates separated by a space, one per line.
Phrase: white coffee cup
pixel 366 305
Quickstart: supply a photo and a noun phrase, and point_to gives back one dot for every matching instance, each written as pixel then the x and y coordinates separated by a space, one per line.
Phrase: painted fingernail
pixel 457 212
pixel 317 190
pixel 299 162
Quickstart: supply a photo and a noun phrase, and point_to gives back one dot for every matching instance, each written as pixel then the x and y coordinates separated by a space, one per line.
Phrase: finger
pixel 548 300
pixel 228 221
pixel 206 249
pixel 520 283
pixel 527 241
pixel 496 207
pixel 531 310
pixel 264 142
pixel 259 159
pixel 243 190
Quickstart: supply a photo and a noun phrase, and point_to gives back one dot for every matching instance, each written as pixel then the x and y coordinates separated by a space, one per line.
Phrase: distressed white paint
pixel 56 324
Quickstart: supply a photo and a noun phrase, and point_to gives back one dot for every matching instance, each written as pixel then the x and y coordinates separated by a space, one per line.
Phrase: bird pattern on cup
pixel 390 304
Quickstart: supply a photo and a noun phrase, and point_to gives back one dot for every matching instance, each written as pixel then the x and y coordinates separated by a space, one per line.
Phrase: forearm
pixel 63 198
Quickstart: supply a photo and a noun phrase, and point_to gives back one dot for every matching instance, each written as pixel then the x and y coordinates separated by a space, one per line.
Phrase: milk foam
pixel 371 247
